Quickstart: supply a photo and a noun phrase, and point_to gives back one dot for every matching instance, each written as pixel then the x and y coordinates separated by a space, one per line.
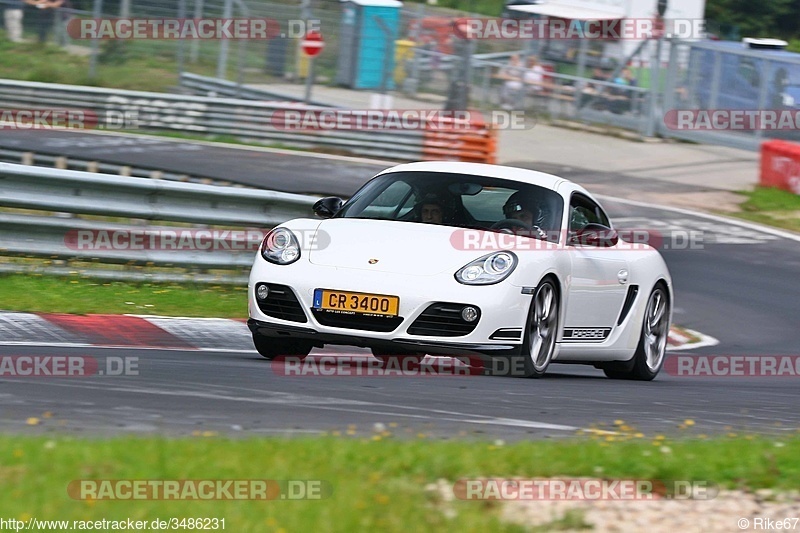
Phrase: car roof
pixel 738 46
pixel 524 175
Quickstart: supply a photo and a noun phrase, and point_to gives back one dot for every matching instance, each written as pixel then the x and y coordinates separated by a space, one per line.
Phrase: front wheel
pixel 541 331
pixel 649 356
pixel 272 347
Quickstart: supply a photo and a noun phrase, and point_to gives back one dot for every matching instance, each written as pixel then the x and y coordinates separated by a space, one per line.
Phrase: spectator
pixel 12 15
pixel 45 15
pixel 592 91
pixel 630 79
pixel 534 76
pixel 622 99
pixel 512 81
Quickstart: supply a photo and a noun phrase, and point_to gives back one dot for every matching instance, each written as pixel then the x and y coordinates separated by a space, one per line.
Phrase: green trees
pixel 746 18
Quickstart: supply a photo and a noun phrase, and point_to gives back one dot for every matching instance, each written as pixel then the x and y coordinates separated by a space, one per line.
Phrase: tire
pixel 541 330
pixel 272 347
pixel 649 357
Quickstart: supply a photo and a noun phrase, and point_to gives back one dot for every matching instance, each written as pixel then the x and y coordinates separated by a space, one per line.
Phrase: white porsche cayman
pixel 465 260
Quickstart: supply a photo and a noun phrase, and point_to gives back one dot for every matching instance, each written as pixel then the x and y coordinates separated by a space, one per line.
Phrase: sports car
pixel 467 260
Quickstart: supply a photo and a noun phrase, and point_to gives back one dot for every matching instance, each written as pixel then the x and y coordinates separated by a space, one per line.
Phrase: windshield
pixel 459 200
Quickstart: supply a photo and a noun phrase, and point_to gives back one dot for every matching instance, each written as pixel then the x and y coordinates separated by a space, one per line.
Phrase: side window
pixel 749 71
pixel 583 211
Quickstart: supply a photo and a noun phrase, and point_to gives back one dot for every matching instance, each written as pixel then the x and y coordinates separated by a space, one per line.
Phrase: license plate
pixel 356 302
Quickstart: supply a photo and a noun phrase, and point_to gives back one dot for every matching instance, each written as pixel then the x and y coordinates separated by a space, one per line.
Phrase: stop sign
pixel 312 43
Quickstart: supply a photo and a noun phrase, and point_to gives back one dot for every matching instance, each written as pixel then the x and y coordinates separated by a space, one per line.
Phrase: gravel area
pixel 729 510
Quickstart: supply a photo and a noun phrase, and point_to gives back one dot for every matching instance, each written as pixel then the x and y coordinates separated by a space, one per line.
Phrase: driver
pixel 528 209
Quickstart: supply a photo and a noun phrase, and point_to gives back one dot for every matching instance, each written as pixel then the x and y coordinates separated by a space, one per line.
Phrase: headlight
pixel 489 269
pixel 280 246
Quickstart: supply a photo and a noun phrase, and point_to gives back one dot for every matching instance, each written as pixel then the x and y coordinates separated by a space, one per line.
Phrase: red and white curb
pixel 127 331
pixel 176 333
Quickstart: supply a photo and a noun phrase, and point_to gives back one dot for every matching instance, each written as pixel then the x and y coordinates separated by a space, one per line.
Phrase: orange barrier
pixel 474 141
pixel 780 165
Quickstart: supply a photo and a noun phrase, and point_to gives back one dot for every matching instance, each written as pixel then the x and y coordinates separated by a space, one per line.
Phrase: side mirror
pixel 595 235
pixel 327 207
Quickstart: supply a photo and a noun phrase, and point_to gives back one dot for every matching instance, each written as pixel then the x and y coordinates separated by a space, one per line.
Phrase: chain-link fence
pixel 739 96
pixel 421 55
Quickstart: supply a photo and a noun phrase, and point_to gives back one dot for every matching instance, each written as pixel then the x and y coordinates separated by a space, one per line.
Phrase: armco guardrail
pixel 203 85
pixel 238 215
pixel 244 119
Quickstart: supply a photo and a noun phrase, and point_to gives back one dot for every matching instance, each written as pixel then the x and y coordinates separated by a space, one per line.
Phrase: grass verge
pixel 76 295
pixel 377 483
pixel 137 66
pixel 771 206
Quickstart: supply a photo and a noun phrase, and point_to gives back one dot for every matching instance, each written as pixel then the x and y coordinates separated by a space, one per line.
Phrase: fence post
pixel 194 50
pixel 655 89
pixel 222 61
pixel 673 74
pixel 98 12
pixel 181 42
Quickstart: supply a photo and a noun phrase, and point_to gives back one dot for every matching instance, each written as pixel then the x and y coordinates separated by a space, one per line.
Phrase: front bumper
pixel 421 345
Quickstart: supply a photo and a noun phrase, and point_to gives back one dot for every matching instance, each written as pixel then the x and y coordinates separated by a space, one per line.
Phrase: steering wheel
pixel 507 225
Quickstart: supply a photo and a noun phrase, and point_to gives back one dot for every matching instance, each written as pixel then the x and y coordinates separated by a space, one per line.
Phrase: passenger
pixel 431 213
pixel 435 209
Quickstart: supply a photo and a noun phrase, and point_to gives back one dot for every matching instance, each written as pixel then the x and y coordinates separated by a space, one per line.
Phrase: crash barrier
pixel 474 141
pixel 221 226
pixel 244 119
pixel 53 158
pixel 780 165
pixel 208 86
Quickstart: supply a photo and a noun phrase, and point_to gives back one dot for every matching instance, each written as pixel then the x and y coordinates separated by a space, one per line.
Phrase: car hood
pixel 388 246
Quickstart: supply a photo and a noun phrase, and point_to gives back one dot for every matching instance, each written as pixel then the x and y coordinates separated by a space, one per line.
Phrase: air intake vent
pixel 357 321
pixel 443 320
pixel 282 303
pixel 633 290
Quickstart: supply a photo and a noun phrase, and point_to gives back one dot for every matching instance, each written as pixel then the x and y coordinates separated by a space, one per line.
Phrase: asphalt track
pixel 738 285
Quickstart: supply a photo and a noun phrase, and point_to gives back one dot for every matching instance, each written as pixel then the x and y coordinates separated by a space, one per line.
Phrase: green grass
pixel 138 66
pixel 772 206
pixel 377 483
pixel 76 295
pixel 50 64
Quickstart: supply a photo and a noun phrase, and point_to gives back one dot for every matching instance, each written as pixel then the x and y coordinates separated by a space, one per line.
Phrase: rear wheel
pixel 649 356
pixel 541 331
pixel 272 347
